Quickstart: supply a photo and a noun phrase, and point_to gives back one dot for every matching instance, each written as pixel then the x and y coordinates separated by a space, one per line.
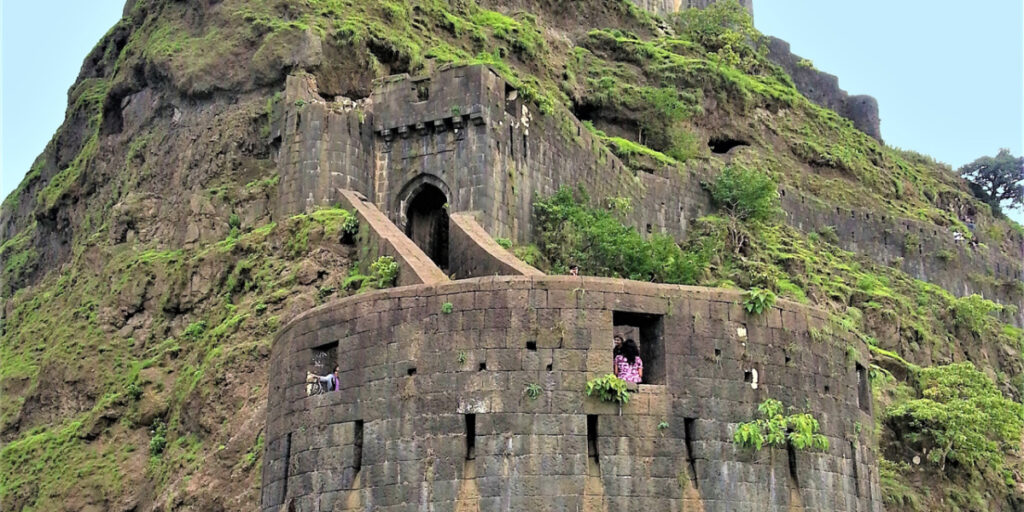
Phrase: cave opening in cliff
pixel 427 223
pixel 647 330
pixel 722 145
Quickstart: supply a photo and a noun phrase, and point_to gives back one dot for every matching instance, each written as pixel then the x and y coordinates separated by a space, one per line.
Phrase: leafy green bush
pixel 385 272
pixel 533 390
pixel 234 221
pixel 758 300
pixel 158 442
pixel 349 224
pixel 773 429
pixel 746 194
pixel 447 308
pixel 609 389
pixel 195 330
pixel 569 232
pixel 961 416
pixel 725 29
pixel 974 312
pixel 505 243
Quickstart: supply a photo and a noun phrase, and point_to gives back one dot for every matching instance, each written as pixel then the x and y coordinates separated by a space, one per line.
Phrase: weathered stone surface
pixel 395 437
pixel 490 152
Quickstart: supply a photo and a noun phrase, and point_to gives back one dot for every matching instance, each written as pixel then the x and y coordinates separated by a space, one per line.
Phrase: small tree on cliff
pixel 997 180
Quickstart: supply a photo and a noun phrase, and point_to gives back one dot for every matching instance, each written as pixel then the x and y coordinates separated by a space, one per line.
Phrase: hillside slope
pixel 144 271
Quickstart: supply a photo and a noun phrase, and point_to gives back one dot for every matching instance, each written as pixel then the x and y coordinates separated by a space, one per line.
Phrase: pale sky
pixel 949 81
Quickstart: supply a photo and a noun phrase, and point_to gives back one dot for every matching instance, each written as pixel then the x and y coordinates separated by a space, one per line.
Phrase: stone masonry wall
pixel 663 7
pixel 823 89
pixel 475 139
pixel 478 255
pixel 433 412
pixel 921 249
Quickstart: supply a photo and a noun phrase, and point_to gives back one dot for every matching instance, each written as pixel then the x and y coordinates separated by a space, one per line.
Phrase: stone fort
pixel 433 411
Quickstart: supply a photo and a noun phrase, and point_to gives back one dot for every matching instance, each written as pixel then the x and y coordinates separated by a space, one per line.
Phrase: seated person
pixel 329 381
pixel 628 365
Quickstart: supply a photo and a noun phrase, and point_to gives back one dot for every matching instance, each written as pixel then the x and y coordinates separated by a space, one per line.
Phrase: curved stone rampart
pixel 435 412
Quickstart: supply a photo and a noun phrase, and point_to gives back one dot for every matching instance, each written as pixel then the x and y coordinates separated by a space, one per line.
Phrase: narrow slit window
pixel 791 452
pixel 863 389
pixel 592 437
pixel 357 453
pixel 688 437
pixel 287 465
pixel 470 436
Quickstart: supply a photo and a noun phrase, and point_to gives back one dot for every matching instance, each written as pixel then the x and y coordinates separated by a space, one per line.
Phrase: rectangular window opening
pixel 592 437
pixel 531 345
pixel 410 372
pixel 325 358
pixel 357 453
pixel 691 460
pixel 863 389
pixel 470 436
pixel 856 476
pixel 483 366
pixel 287 465
pixel 647 331
pixel 791 452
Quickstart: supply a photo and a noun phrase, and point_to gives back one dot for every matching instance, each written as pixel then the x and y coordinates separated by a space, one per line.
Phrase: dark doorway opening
pixel 427 223
pixel 646 330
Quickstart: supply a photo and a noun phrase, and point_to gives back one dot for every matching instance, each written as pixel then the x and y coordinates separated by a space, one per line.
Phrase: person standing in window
pixel 628 365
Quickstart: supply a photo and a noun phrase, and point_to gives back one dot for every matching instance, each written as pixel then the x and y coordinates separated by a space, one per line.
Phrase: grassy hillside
pixel 145 270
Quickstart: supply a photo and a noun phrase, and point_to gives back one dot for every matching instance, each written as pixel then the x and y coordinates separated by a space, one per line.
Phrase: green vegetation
pixel 385 272
pixel 960 416
pixel 758 300
pixel 775 430
pixel 533 390
pixel 570 232
pixel 608 389
pixel 974 313
pixel 746 194
pixel 447 308
pixel 505 243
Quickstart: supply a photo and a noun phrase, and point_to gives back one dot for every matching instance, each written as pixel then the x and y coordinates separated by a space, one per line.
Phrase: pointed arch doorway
pixel 426 223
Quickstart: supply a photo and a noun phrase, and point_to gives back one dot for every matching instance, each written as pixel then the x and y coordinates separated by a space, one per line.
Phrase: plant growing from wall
pixel 461 358
pixel 961 416
pixel 446 308
pixel 349 224
pixel 571 232
pixel 608 389
pixel 775 430
pixel 533 390
pixel 974 312
pixel 385 272
pixel 746 194
pixel 505 243
pixel 758 300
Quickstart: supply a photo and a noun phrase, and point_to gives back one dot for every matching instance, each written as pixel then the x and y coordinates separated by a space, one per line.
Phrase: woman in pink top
pixel 628 365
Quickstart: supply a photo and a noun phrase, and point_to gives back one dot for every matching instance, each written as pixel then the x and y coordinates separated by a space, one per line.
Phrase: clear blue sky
pixel 949 80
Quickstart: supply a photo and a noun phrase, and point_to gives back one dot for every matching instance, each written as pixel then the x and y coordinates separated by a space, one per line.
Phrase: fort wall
pixel 434 411
pixel 476 140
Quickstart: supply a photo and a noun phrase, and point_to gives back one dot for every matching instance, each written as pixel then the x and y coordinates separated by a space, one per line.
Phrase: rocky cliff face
pixel 145 269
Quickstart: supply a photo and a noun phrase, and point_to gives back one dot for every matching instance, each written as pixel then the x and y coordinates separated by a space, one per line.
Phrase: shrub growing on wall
pixel 746 194
pixel 570 232
pixel 960 416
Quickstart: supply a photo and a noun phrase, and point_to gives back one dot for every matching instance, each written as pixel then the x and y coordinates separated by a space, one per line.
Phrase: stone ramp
pixel 473 253
pixel 415 267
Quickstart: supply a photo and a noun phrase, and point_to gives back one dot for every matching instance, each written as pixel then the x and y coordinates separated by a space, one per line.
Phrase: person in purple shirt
pixel 628 365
